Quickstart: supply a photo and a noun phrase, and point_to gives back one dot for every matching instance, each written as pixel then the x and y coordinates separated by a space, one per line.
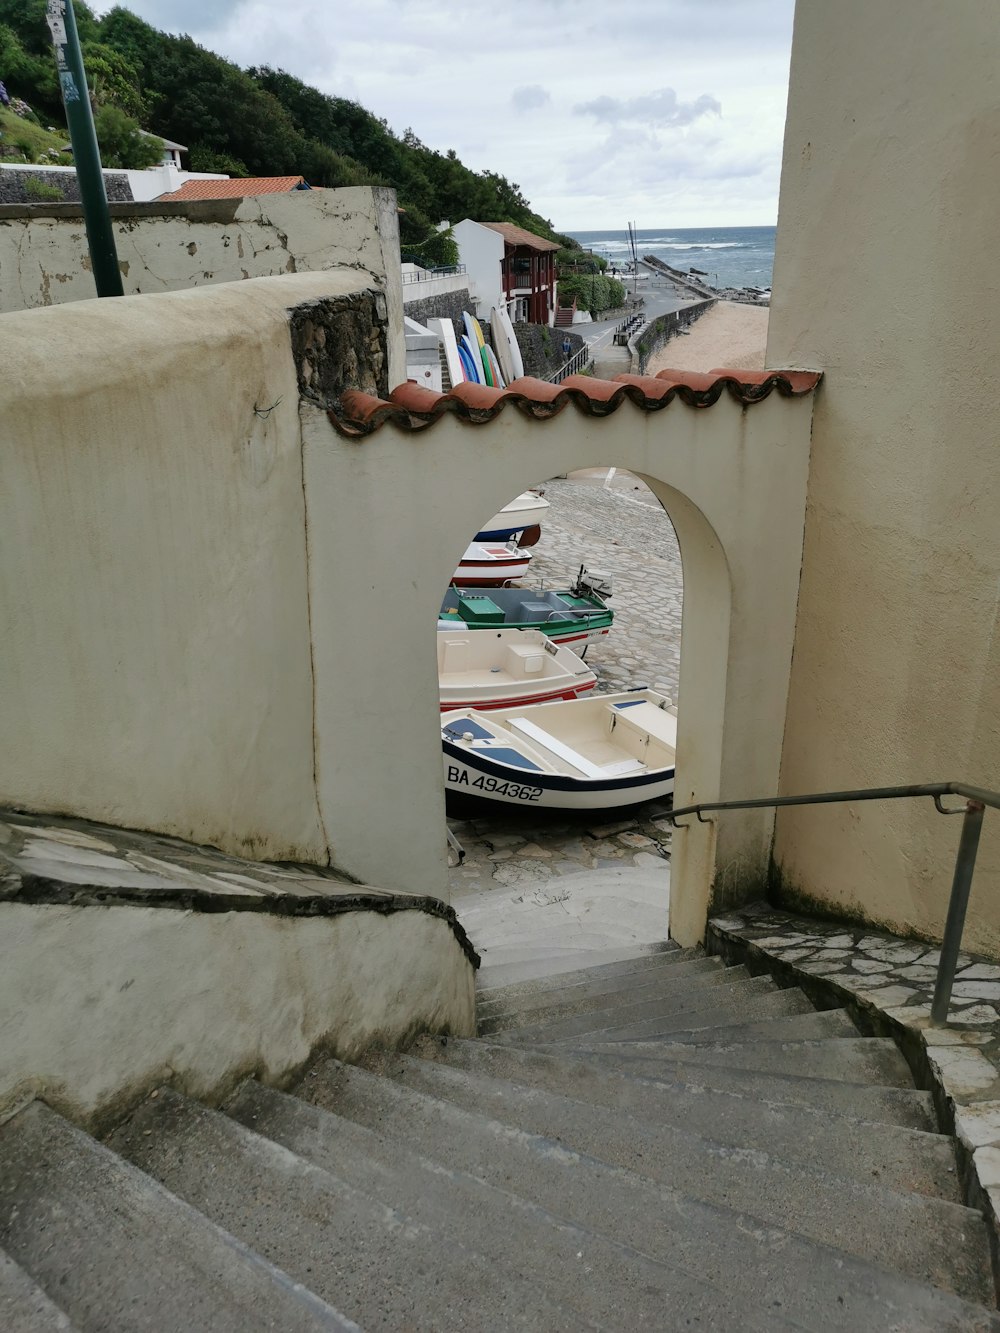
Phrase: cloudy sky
pixel 662 112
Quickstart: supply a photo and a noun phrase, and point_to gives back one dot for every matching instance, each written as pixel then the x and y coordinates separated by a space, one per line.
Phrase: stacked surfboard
pixel 470 359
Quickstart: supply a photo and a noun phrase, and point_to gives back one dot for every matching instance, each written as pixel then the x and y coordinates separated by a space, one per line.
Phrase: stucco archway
pixel 732 481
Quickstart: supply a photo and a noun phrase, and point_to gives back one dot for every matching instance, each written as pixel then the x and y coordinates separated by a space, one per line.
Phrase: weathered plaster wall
pixel 733 482
pixel 101 1004
pixel 164 247
pixel 885 278
pixel 155 661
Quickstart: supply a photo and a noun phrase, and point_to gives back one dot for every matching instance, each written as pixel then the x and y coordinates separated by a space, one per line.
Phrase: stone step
pixel 803 1023
pixel 900 1158
pixel 24 1307
pixel 688 1205
pixel 120 1252
pixel 898 1106
pixel 384 1267
pixel 847 1058
pixel 743 1000
pixel 624 964
pixel 612 986
pixel 508 966
pixel 590 1273
pixel 634 991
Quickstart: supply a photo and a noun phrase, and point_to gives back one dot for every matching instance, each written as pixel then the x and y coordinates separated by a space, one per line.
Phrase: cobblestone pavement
pixel 623 531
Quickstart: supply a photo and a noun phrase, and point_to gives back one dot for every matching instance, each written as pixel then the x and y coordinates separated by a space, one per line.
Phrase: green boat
pixel 574 615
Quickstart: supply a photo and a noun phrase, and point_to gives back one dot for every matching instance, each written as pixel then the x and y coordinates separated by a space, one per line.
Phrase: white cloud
pixel 662 107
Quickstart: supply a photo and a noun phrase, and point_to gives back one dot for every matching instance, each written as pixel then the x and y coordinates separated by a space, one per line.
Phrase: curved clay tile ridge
pixel 414 408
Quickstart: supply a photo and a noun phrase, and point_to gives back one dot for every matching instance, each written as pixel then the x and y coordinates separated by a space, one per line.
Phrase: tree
pixel 113 80
pixel 122 143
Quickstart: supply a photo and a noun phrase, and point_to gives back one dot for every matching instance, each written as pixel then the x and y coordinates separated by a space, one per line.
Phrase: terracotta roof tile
pixel 238 187
pixel 518 236
pixel 415 408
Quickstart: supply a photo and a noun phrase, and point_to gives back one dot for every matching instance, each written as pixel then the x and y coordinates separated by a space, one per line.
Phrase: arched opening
pixel 732 480
pixel 589 881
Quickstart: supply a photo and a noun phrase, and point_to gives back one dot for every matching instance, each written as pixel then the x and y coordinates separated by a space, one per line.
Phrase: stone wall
pixel 647 341
pixel 13 182
pixel 446 305
pixel 541 348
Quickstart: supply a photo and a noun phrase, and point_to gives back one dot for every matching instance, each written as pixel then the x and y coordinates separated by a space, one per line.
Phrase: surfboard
pixel 517 361
pixel 476 343
pixel 501 347
pixel 472 374
pixel 445 330
pixel 487 368
pixel 499 378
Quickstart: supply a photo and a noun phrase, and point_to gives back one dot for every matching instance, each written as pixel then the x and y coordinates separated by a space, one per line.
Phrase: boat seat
pixel 580 762
pixel 531 611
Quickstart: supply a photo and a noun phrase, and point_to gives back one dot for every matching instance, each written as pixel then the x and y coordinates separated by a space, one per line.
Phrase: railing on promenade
pixel 576 365
pixel 976 800
pixel 428 274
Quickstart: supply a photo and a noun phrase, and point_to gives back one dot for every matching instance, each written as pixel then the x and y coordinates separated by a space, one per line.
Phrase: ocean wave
pixel 703 245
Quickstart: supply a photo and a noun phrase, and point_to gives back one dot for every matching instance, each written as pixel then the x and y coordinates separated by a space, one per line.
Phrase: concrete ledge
pixel 129 960
pixel 886 982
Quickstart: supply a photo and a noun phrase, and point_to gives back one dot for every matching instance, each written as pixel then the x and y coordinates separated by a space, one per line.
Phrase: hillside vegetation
pixel 255 122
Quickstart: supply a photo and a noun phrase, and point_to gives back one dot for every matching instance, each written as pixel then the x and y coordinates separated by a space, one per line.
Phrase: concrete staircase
pixel 655 1142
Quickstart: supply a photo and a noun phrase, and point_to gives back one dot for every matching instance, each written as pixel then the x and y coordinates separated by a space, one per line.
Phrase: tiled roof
pixel 414 408
pixel 236 188
pixel 518 236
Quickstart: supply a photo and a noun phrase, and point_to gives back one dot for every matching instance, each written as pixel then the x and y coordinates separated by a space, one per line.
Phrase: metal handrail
pixel 577 362
pixel 976 801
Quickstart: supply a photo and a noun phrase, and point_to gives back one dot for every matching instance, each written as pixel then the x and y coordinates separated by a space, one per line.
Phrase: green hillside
pixel 255 122
pixel 23 140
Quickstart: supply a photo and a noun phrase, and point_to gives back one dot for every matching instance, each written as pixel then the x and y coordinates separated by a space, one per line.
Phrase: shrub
pixel 39 191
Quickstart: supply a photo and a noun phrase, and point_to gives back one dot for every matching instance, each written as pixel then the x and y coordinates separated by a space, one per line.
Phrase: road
pixel 660 296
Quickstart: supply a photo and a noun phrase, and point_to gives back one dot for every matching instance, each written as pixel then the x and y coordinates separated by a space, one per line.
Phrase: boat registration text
pixel 459 777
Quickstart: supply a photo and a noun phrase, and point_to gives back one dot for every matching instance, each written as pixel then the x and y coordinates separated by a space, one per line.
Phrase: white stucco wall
pixel 102 1004
pixel 164 247
pixel 155 661
pixel 885 277
pixel 481 251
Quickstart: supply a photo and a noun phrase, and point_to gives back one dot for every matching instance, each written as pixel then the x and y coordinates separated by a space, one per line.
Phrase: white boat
pixel 526 511
pixel 603 752
pixel 505 668
pixel 491 564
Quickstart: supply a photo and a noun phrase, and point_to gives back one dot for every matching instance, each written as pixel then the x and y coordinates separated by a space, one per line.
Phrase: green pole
pixel 86 154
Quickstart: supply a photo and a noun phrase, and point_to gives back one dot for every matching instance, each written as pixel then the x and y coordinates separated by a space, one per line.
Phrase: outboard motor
pixel 593 582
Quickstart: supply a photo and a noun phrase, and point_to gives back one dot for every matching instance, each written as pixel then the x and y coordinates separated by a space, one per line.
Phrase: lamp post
pixel 86 154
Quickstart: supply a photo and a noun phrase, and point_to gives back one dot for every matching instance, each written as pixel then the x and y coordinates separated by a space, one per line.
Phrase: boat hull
pixel 510 700
pixel 527 511
pixel 491 566
pixel 475 785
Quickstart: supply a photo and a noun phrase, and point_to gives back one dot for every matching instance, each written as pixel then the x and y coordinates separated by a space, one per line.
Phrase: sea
pixel 730 256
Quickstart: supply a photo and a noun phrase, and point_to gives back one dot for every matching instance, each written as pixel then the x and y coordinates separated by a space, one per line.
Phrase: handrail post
pixel 961 885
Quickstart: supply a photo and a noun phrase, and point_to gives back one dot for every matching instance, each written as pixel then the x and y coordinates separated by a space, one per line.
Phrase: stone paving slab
pixel 890 978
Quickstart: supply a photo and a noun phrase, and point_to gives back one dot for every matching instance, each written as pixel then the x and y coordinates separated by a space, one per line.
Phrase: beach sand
pixel 728 336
